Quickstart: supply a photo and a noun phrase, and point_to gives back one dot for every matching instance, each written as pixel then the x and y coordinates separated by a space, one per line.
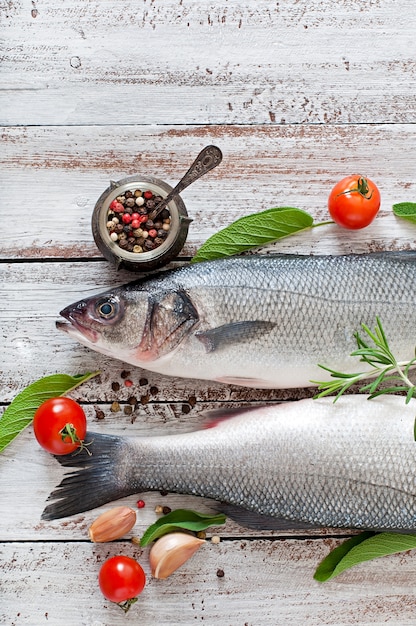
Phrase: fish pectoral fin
pixel 235 332
pixel 250 519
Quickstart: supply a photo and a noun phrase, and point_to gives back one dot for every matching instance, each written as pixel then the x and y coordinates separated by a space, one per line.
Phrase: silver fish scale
pixel 259 321
pixel 316 304
pixel 349 464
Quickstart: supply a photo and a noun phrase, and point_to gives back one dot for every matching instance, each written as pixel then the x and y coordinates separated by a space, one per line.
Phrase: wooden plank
pixel 265 583
pixel 247 62
pixel 63 171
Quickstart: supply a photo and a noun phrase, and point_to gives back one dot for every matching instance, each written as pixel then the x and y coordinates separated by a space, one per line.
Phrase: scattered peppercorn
pixel 186 409
pixel 143 382
pixel 115 407
pixel 163 493
pixel 215 539
pixel 158 509
pixel 99 415
pixel 115 386
pixel 125 374
pixel 141 504
pixel 201 534
pixel 128 383
pixel 128 409
pixel 132 400
pixel 153 391
pixel 166 510
pixel 132 211
pixel 220 573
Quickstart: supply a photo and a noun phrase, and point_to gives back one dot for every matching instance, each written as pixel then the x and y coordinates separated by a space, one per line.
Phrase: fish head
pixel 131 323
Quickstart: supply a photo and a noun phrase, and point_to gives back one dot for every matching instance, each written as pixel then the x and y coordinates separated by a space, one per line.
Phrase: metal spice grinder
pixel 143 261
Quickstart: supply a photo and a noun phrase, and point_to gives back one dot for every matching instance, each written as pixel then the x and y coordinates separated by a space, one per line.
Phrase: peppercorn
pixel 166 510
pixel 132 230
pixel 149 245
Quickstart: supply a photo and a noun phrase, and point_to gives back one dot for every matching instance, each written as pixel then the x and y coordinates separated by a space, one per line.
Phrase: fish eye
pixel 107 308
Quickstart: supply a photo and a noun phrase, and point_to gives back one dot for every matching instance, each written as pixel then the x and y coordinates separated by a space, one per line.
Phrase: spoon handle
pixel 206 160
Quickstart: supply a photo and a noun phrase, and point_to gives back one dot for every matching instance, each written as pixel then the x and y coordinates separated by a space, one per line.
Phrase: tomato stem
pixel 362 188
pixel 70 431
pixel 127 604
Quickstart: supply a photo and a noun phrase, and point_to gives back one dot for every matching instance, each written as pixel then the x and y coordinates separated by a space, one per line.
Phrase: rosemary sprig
pixel 384 367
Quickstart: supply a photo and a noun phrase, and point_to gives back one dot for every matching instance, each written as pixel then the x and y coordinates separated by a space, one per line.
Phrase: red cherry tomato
pixel 60 425
pixel 121 579
pixel 354 202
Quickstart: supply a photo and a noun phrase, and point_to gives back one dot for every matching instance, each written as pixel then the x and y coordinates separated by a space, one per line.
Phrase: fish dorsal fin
pixel 235 332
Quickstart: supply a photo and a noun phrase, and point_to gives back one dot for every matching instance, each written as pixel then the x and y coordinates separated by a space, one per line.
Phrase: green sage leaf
pixel 406 210
pixel 363 547
pixel 252 231
pixel 20 412
pixel 180 519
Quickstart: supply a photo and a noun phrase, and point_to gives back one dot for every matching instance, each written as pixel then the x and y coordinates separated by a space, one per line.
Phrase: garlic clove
pixel 171 551
pixel 112 524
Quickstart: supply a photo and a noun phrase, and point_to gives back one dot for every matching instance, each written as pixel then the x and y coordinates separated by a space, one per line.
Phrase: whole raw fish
pixel 311 462
pixel 258 321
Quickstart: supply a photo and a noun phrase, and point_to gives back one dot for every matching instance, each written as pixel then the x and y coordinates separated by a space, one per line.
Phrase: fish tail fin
pixel 98 478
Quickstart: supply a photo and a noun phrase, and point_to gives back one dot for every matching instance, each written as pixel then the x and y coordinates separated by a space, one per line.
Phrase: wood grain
pixel 245 62
pixel 283 591
pixel 296 94
pixel 65 170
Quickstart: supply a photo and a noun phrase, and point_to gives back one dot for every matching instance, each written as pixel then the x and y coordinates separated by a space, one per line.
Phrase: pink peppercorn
pixel 148 195
pixel 118 207
pixel 152 233
pixel 126 218
pixel 141 504
pixel 144 218
pixel 135 223
pixel 135 216
pixel 128 383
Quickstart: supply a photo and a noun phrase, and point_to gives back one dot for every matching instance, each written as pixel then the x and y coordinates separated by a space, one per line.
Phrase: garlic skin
pixel 112 524
pixel 171 551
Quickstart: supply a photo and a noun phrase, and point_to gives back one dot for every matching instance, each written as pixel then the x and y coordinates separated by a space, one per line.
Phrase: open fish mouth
pixel 74 328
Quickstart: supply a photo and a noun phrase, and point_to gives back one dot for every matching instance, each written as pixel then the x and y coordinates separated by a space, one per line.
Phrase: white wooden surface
pixel 297 94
